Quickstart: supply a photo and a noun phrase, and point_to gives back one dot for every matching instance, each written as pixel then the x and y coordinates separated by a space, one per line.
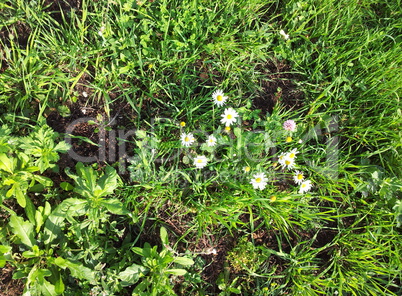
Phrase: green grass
pixel 163 60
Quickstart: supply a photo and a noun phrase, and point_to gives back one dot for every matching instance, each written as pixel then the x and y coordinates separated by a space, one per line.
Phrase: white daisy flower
pixel 286 161
pixel 211 141
pixel 200 161
pixel 219 97
pixel 187 139
pixel 298 177
pixel 292 153
pixel 229 116
pixel 281 158
pixel 259 181
pixel 305 186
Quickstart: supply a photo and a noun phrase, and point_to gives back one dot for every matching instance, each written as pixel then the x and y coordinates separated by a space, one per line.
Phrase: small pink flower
pixel 289 125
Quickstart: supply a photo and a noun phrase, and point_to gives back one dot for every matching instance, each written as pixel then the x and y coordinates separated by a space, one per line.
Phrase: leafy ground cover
pixel 197 148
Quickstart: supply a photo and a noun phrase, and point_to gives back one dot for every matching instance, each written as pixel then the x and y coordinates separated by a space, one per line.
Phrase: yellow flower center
pixel 258 180
pixel 288 139
pixel 299 176
pixel 229 116
pixel 183 124
pixel 199 160
pixel 272 198
pixel 287 162
pixel 292 155
pixel 247 169
pixel 227 128
pixel 219 98
pixel 303 185
pixel 186 139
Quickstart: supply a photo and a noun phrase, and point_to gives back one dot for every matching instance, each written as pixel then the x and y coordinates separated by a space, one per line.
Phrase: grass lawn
pixel 189 147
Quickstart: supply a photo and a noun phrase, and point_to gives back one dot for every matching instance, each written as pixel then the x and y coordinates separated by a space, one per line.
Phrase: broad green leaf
pixel 20 195
pixel 59 285
pixel 115 206
pixel 62 147
pixel 184 261
pixel 132 274
pixel 176 271
pixel 55 221
pixel 6 164
pixel 4 259
pixel 66 186
pixel 138 251
pixel 5 249
pixel 23 230
pixel 30 210
pixel 43 180
pixel 42 285
pixel 77 269
pixel 164 236
pixel 85 180
pixel 109 181
pixel 34 253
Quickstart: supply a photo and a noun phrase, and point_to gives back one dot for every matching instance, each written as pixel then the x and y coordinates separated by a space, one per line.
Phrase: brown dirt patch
pixel 8 286
pixel 278 86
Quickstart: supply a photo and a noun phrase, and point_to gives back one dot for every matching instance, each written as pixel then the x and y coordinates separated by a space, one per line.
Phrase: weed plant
pixel 220 193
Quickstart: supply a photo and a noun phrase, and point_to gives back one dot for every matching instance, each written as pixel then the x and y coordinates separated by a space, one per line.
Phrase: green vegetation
pixel 249 147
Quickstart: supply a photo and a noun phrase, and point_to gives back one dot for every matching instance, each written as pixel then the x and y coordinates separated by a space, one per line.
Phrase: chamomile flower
pixel 259 181
pixel 246 169
pixel 292 153
pixel 229 116
pixel 288 139
pixel 219 97
pixel 286 161
pixel 305 186
pixel 182 124
pixel 289 125
pixel 187 139
pixel 281 158
pixel 200 161
pixel 298 177
pixel 211 141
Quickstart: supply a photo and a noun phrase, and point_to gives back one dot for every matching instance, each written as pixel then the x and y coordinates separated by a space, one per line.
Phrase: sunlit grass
pixel 165 59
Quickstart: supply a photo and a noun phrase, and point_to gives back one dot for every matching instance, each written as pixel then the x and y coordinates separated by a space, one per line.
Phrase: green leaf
pixel 6 164
pixel 55 221
pixel 30 210
pixel 43 180
pixel 164 236
pixel 77 269
pixel 90 185
pixel 20 195
pixel 4 259
pixel 115 206
pixel 62 147
pixel 109 181
pixel 23 230
pixel 66 186
pixel 59 285
pixel 184 261
pixel 138 251
pixel 132 274
pixel 5 249
pixel 42 285
pixel 176 271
